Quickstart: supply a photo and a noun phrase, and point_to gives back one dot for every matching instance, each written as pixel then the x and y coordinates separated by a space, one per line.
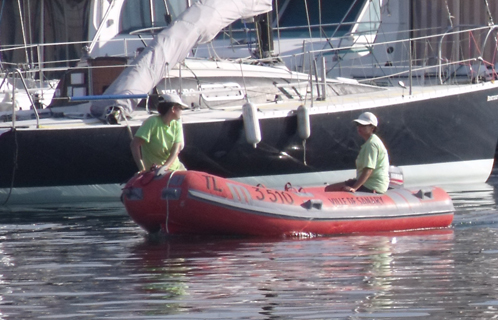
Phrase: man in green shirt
pixel 160 138
pixel 372 163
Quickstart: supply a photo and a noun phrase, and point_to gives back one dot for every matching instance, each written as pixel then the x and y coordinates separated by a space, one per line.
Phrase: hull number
pixel 274 196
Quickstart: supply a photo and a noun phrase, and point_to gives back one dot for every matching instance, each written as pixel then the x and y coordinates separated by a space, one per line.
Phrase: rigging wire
pixel 277 12
pixel 1 10
pixel 450 17
pixel 309 28
pixel 259 42
pixel 23 31
pixel 488 11
pixel 198 81
pixel 308 19
pixel 30 31
pixel 490 17
pixel 246 96
pixel 1 15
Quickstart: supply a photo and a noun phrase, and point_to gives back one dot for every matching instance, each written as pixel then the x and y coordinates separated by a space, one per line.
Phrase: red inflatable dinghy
pixel 191 202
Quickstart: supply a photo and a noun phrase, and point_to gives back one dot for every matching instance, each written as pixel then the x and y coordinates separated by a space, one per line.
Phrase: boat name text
pixel 356 201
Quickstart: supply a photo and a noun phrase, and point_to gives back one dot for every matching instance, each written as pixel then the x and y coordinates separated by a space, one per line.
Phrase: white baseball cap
pixel 367 118
pixel 173 98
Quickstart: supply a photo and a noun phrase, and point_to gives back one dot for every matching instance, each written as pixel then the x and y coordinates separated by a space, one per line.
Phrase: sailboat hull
pixel 440 132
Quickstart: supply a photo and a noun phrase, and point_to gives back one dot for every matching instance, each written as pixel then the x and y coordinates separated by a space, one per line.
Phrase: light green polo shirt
pixel 373 155
pixel 159 139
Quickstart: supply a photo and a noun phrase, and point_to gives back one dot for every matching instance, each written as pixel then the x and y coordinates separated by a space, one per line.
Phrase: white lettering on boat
pixel 239 193
pixel 356 201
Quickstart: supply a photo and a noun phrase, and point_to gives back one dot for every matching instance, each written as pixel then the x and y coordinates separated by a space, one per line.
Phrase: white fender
pixel 251 124
pixel 303 122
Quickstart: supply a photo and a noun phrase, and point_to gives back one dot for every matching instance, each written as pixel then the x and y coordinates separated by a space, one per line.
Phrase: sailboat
pixel 255 121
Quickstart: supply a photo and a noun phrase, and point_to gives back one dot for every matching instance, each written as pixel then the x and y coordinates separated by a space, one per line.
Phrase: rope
pixel 127 123
pixel 198 85
pixel 123 115
pixel 244 81
pixel 167 204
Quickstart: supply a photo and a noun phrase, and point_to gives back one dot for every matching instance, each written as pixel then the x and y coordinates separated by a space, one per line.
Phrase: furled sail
pixel 198 24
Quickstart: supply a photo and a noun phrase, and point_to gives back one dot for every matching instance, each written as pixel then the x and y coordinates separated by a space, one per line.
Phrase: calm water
pixel 92 262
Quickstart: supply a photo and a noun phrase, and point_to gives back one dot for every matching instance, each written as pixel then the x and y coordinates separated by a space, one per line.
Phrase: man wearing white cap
pixel 372 163
pixel 160 138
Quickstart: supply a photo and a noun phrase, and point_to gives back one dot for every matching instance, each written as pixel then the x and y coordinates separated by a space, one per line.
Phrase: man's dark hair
pixel 163 107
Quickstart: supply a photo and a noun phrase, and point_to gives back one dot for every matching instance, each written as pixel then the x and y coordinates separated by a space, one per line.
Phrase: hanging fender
pixel 303 122
pixel 251 124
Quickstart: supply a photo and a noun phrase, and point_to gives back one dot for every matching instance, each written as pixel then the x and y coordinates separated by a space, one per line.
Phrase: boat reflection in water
pixel 475 204
pixel 342 276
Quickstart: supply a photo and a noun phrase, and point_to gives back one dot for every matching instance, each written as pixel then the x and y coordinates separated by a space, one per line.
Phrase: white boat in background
pixel 256 121
pixel 299 27
pixel 20 93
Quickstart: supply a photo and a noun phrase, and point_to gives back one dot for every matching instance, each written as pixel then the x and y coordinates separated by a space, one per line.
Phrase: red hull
pixel 189 202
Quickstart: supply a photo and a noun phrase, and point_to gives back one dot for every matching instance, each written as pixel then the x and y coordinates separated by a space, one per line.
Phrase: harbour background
pixel 66 21
pixel 90 261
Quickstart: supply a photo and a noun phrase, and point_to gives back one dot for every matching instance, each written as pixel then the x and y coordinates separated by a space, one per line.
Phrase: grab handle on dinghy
pixel 313 203
pixel 171 193
pixel 424 194
pixel 132 193
pixel 289 187
pixel 160 171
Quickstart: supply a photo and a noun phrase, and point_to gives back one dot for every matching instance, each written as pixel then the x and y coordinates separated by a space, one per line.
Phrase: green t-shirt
pixel 159 139
pixel 373 155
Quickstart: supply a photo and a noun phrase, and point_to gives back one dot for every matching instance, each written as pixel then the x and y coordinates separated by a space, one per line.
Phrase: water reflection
pixel 106 268
pixel 338 276
pixel 475 204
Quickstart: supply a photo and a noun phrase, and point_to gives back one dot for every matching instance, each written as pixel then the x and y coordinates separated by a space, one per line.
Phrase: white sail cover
pixel 198 24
